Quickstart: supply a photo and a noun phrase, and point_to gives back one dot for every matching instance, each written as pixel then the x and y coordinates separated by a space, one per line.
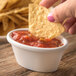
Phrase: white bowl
pixel 35 58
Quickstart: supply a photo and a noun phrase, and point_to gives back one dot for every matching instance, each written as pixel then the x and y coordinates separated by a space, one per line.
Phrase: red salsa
pixel 25 37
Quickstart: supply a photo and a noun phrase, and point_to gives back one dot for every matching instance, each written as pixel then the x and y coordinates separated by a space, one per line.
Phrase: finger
pixel 72 29
pixel 69 23
pixel 47 3
pixel 61 12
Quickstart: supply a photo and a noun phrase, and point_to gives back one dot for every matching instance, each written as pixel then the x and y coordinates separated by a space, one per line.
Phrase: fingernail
pixel 51 18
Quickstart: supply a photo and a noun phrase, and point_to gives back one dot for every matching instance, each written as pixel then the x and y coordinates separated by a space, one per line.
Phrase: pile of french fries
pixel 13 14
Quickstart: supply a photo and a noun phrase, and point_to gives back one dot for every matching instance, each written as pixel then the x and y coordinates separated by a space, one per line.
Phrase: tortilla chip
pixel 22 3
pixel 24 9
pixel 24 15
pixel 11 2
pixel 20 17
pixel 1 29
pixel 11 27
pixel 3 4
pixel 36 1
pixel 40 26
pixel 14 19
pixel 23 26
pixel 5 23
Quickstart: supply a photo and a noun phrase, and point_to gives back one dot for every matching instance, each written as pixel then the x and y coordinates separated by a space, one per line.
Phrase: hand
pixel 67 9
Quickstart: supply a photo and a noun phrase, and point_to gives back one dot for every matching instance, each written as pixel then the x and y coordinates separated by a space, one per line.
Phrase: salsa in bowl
pixel 26 38
pixel 35 53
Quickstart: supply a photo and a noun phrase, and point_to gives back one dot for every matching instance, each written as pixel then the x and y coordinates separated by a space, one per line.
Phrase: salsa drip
pixel 25 37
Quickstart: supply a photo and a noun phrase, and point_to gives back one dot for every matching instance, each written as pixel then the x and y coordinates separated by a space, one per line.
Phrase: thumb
pixel 47 3
pixel 60 13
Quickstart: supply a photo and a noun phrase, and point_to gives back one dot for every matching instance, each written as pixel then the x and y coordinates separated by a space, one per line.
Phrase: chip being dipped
pixel 36 1
pixel 39 26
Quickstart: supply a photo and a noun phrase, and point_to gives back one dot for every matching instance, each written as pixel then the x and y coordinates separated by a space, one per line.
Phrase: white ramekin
pixel 35 58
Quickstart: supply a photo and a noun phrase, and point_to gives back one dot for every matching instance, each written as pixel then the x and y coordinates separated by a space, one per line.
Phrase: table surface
pixel 9 66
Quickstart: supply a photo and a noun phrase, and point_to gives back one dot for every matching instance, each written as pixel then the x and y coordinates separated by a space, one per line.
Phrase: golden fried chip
pixel 24 9
pixel 40 26
pixel 11 27
pixel 14 19
pixel 36 1
pixel 1 29
pixel 22 3
pixel 20 17
pixel 24 15
pixel 11 2
pixel 3 4
pixel 16 11
pixel 5 23
pixel 23 26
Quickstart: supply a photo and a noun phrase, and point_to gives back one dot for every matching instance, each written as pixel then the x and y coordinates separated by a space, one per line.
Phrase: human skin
pixel 65 10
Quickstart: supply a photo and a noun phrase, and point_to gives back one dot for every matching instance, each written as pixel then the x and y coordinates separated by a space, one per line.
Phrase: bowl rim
pixel 17 44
